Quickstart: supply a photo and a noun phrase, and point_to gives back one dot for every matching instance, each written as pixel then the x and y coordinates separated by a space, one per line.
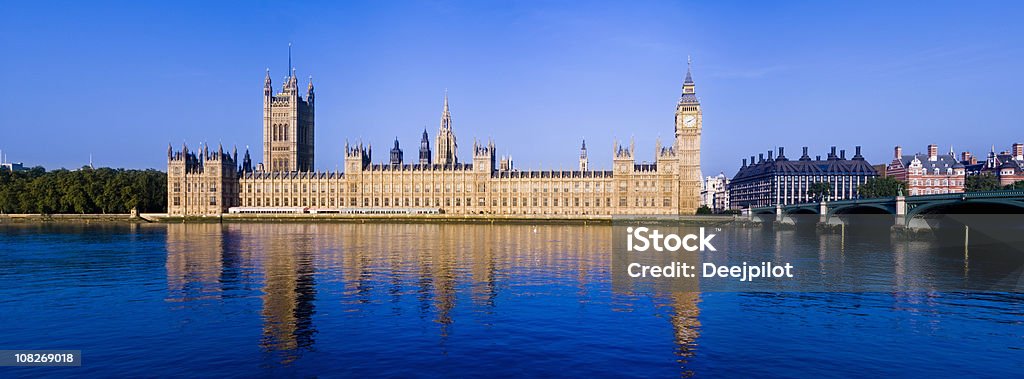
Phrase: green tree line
pixel 989 182
pixel 87 190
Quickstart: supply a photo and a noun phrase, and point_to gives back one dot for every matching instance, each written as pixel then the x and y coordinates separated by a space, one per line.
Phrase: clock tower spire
pixel 689 125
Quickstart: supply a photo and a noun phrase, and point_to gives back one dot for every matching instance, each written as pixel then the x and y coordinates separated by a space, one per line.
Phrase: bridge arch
pixel 802 211
pixel 870 208
pixel 959 206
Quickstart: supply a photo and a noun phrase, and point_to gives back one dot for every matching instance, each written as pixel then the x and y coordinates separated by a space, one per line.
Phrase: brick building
pixel 927 174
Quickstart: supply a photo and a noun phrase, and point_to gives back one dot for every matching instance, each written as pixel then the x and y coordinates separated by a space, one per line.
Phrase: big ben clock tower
pixel 688 129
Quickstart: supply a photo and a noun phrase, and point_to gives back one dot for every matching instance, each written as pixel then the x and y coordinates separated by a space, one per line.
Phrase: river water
pixel 438 300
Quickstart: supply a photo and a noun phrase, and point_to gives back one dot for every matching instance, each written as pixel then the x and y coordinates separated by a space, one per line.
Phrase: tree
pixel 819 190
pixel 1018 185
pixel 981 183
pixel 82 191
pixel 704 210
pixel 882 186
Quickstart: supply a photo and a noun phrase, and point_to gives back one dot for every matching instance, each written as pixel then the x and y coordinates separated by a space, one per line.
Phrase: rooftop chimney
pixel 833 153
pixel 1018 151
pixel 933 152
pixel 760 157
pixel 965 157
pixel 744 162
pixel 769 155
pixel 857 155
pixel 842 154
pixel 751 160
pixel 782 153
pixel 898 152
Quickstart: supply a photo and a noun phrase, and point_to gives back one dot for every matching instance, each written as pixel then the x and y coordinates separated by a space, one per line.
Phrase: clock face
pixel 689 121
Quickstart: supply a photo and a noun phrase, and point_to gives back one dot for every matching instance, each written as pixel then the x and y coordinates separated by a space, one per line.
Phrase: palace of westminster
pixel 211 182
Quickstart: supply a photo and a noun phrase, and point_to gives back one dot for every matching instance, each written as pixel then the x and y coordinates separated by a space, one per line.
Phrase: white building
pixel 714 193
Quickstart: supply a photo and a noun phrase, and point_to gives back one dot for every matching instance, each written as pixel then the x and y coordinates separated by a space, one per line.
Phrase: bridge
pixel 907 210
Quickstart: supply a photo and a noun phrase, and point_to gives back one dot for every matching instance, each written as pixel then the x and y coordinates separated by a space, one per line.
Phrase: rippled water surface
pixel 465 300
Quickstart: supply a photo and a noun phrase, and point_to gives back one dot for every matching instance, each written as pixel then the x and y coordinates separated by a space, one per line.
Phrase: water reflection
pixel 210 261
pixel 435 287
pixel 440 267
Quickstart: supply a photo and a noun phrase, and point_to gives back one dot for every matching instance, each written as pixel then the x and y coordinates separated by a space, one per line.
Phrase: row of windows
pixel 456 201
pixel 930 191
pixel 935 171
pixel 177 200
pixel 176 187
pixel 936 182
pixel 646 186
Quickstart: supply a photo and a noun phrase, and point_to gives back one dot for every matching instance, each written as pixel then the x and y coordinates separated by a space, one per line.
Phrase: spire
pixel 584 147
pixel 689 66
pixel 266 80
pixel 445 114
pixel 290 68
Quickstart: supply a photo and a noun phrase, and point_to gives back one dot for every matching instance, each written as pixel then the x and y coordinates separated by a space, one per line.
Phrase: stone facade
pixel 715 194
pixel 210 183
pixel 203 183
pixel 288 127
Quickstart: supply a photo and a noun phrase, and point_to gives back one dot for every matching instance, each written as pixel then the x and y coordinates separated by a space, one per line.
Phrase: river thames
pixel 440 300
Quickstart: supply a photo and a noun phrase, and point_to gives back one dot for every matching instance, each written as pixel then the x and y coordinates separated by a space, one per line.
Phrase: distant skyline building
pixel 10 166
pixel 209 183
pixel 781 181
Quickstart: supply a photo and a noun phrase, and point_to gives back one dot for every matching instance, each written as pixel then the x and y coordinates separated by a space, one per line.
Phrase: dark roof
pixel 806 166
pixel 942 161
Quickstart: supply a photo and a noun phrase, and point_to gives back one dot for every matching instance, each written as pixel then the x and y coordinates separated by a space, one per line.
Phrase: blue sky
pixel 121 80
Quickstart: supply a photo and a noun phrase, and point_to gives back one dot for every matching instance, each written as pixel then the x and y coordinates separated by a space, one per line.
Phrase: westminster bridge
pixel 912 212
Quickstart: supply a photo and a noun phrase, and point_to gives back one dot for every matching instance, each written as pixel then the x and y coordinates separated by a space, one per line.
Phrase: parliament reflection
pixel 443 275
pixel 206 261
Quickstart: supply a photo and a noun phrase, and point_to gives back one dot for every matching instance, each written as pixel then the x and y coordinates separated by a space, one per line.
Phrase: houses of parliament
pixel 207 182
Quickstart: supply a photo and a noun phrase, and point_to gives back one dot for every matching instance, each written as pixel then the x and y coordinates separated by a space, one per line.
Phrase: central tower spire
pixel 446 146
